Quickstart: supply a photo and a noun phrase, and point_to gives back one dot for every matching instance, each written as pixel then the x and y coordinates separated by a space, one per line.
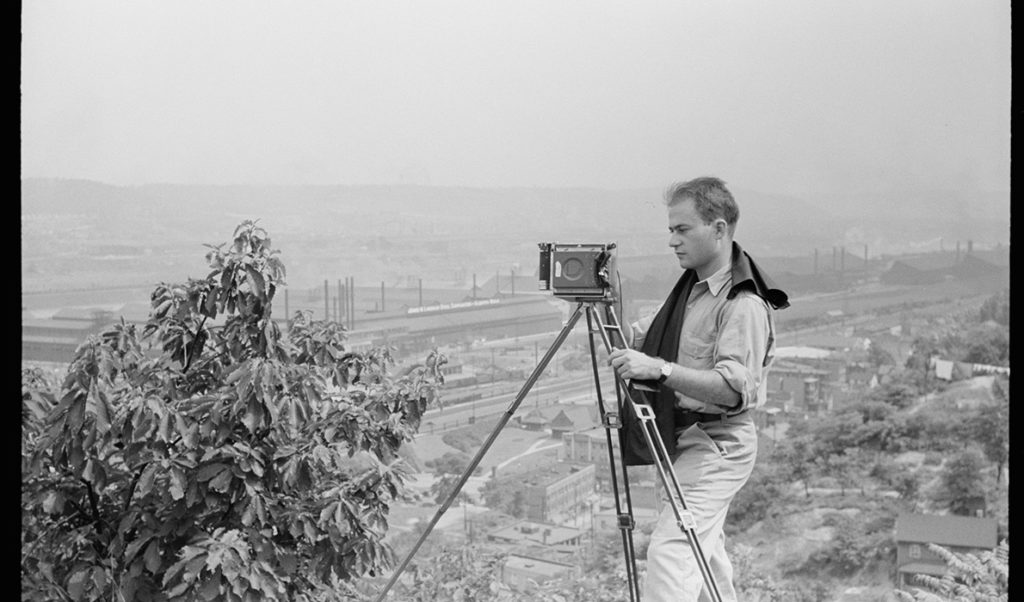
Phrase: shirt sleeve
pixel 744 349
pixel 640 327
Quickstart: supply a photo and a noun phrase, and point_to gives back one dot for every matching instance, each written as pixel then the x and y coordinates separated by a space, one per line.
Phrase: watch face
pixel 666 369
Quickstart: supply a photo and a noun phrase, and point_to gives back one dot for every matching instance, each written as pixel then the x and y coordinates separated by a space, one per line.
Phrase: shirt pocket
pixel 696 347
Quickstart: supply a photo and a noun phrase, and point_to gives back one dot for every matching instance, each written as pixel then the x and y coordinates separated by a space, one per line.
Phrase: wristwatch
pixel 666 371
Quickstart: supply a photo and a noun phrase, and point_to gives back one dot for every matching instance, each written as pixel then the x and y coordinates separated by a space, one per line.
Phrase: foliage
pixel 759 498
pixel 211 456
pixel 460 574
pixel 795 454
pixel 449 463
pixel 990 427
pixel 878 356
pixel 969 577
pixel 505 494
pixel 855 545
pixel 962 481
pixel 996 308
pixel 464 440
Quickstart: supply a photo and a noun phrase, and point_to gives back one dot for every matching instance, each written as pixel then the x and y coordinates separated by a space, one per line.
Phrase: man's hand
pixel 632 364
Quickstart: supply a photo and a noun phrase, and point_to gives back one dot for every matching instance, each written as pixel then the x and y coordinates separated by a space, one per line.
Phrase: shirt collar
pixel 717 281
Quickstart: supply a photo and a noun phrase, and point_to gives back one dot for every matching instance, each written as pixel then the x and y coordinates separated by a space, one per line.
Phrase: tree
pixel 990 427
pixel 505 495
pixel 796 454
pixel 962 481
pixel 878 356
pixel 211 456
pixel 996 308
pixel 761 497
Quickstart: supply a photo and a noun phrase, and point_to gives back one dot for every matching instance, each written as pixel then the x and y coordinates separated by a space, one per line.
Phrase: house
pixel 958 534
pixel 534 420
pixel 561 424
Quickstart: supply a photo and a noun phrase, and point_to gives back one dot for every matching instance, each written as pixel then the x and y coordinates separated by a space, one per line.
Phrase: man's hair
pixel 711 199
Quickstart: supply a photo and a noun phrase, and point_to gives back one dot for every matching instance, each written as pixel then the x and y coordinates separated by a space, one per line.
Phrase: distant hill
pixel 770 220
pixel 450 233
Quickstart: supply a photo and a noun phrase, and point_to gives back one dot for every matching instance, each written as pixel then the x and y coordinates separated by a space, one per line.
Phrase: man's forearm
pixel 707 386
pixel 702 385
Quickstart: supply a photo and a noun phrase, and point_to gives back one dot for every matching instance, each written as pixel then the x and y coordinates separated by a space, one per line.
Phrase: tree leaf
pixel 146 480
pixel 76 583
pixel 222 481
pixel 209 471
pixel 152 556
pixel 178 483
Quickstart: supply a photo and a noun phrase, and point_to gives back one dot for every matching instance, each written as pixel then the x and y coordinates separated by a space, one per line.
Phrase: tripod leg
pixel 534 376
pixel 625 529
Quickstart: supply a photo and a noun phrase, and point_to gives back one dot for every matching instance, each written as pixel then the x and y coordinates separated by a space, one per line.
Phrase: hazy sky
pixel 787 96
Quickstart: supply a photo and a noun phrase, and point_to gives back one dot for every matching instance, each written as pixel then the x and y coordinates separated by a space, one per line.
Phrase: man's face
pixel 697 245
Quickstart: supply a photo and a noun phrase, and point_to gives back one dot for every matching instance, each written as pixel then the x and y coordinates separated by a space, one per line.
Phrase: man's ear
pixel 721 228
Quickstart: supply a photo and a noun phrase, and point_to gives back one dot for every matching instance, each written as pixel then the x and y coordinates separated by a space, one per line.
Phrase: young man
pixel 710 345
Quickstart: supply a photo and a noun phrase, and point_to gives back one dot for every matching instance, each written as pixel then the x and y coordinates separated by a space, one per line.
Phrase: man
pixel 709 345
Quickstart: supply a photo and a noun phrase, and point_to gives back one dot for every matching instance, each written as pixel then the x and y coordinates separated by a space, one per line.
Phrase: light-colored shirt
pixel 734 337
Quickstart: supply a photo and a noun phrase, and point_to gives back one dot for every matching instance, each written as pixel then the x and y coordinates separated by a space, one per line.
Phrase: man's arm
pixel 708 385
pixel 732 383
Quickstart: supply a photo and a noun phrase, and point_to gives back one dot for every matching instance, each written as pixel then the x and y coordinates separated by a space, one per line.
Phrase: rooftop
pixel 947 530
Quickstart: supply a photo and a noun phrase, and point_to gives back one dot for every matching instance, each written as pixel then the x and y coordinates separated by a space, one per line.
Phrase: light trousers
pixel 714 461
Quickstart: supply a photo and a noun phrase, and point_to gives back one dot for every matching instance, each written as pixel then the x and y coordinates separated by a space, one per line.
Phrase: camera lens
pixel 572 269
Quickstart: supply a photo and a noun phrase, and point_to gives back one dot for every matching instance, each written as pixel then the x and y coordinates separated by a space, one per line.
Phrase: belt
pixel 686 418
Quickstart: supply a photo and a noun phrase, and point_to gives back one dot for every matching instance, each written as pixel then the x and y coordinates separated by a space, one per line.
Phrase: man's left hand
pixel 634 365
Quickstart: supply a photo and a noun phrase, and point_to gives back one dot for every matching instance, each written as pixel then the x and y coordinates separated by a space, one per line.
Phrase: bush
pixel 211 455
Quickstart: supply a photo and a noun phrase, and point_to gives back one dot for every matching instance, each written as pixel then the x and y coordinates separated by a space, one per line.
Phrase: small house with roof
pixel 958 534
pixel 534 420
pixel 560 425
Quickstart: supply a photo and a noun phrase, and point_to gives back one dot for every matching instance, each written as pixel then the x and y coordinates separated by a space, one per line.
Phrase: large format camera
pixel 578 271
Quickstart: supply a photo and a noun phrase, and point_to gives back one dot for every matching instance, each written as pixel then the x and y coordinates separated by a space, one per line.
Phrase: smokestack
pixel 421 292
pixel 970 246
pixel 865 256
pixel 327 302
pixel 835 253
pixel 382 295
pixel 343 294
pixel 352 302
pixel 474 287
pixel 815 261
pixel 339 303
pixel 957 259
pixel 842 260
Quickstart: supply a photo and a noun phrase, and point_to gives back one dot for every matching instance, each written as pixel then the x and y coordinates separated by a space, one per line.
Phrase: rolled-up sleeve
pixel 744 349
pixel 640 327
